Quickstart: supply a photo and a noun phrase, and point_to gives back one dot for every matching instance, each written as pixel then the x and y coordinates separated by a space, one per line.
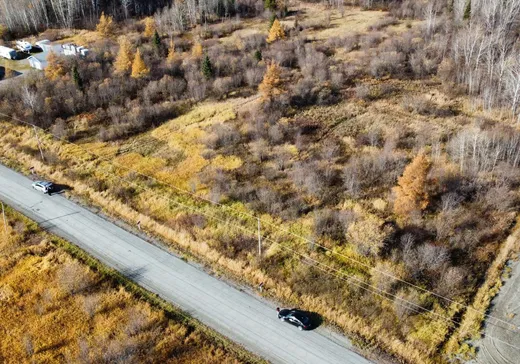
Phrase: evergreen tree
pixel 467 11
pixel 258 55
pixel 156 40
pixel 207 68
pixel 270 5
pixel 272 18
pixel 106 25
pixel 76 77
pixel 276 32
pixel 123 60
pixel 139 68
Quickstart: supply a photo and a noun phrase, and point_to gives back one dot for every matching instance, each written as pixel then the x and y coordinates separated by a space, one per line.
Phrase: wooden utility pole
pixel 5 220
pixel 259 239
pixel 38 139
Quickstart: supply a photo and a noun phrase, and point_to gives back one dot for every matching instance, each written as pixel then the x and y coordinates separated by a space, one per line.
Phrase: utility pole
pixel 259 239
pixel 38 139
pixel 5 220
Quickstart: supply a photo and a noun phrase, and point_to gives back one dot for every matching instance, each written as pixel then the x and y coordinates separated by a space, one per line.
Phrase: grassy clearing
pixel 46 282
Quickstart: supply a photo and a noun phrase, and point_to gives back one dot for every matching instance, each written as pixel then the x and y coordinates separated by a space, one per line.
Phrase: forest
pixel 375 142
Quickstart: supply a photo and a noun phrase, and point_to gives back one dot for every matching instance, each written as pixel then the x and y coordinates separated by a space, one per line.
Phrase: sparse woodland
pixel 55 309
pixel 380 149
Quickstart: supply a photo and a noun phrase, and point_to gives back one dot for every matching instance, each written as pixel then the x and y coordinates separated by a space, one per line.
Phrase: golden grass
pixel 44 320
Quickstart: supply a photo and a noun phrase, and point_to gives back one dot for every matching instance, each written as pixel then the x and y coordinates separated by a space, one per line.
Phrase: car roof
pixel 44 183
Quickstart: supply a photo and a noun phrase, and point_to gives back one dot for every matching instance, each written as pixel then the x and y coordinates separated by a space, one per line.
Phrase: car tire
pixel 300 328
pixel 282 319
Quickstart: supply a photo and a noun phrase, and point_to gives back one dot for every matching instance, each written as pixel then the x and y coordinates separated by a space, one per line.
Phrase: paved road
pixel 238 315
pixel 502 343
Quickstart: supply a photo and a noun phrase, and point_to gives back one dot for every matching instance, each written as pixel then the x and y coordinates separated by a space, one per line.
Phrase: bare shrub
pixel 332 224
pixel 223 85
pixel 254 76
pixel 386 63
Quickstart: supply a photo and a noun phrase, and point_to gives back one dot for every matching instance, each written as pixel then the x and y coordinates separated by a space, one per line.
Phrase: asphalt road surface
pixel 241 317
pixel 501 342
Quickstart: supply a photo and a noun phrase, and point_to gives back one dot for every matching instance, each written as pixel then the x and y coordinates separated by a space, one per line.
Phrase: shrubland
pixel 378 150
pixel 56 308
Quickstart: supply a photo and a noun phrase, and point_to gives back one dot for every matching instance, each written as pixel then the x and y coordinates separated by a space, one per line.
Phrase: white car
pixel 43 186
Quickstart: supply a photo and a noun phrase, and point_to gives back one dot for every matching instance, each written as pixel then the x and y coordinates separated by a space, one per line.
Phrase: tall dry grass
pixel 56 309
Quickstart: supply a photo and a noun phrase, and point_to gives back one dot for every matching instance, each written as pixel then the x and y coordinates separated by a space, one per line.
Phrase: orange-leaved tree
pixel 54 68
pixel 124 57
pixel 106 25
pixel 139 68
pixel 171 52
pixel 197 50
pixel 276 32
pixel 270 85
pixel 410 192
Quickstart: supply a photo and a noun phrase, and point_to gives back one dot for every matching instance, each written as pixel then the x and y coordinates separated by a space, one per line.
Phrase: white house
pixel 39 60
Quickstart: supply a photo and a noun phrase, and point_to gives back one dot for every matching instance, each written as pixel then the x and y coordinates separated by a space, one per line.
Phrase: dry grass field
pixel 56 309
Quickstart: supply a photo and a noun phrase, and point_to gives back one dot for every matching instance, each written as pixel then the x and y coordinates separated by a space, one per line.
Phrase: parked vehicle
pixel 43 186
pixel 23 45
pixel 6 52
pixel 295 317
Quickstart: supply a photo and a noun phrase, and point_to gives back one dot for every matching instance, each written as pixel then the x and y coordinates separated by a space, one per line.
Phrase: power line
pixel 253 217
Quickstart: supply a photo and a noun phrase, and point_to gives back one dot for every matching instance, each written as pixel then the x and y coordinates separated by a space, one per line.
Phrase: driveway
pixel 241 317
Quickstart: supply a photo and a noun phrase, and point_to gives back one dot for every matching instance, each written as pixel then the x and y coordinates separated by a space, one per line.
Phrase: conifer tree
pixel 156 40
pixel 197 50
pixel 106 25
pixel 410 192
pixel 276 32
pixel 271 82
pixel 171 52
pixel 272 18
pixel 149 27
pixel 54 67
pixel 467 10
pixel 139 68
pixel 207 68
pixel 123 60
pixel 258 55
pixel 270 5
pixel 76 77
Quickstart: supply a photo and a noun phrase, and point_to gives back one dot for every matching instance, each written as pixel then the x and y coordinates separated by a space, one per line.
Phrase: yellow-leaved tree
pixel 106 25
pixel 149 27
pixel 124 57
pixel 270 85
pixel 171 52
pixel 197 50
pixel 276 32
pixel 54 68
pixel 367 235
pixel 410 192
pixel 139 68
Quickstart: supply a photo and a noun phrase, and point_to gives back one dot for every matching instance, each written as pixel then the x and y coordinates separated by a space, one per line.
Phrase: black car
pixel 295 317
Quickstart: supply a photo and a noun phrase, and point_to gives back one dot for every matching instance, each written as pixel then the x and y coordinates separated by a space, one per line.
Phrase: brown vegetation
pixel 354 157
pixel 53 308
